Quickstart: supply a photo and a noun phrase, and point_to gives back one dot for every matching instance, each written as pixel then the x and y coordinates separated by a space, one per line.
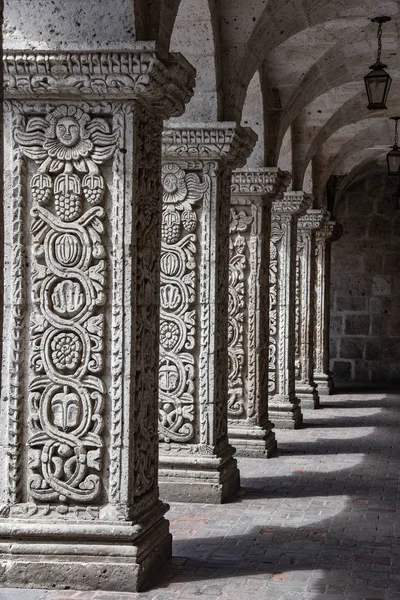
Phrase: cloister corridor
pixel 319 522
pixel 200 300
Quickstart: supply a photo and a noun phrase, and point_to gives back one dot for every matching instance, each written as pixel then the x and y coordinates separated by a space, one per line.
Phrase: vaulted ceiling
pixel 290 69
pixel 293 70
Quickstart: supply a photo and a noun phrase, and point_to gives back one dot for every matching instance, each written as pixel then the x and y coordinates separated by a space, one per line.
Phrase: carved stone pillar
pixel 82 208
pixel 306 388
pixel 196 459
pixel 250 429
pixel 284 407
pixel 328 233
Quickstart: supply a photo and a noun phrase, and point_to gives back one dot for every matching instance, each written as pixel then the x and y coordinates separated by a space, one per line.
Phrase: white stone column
pixel 284 407
pixel 306 388
pixel 196 459
pixel 250 429
pixel 82 209
pixel 328 233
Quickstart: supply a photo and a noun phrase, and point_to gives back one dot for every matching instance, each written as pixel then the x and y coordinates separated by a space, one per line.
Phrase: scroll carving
pixel 238 274
pixel 277 233
pixel 183 191
pixel 66 389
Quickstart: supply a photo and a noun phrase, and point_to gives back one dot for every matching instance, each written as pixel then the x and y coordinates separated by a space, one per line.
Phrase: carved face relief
pixel 67 131
pixel 173 182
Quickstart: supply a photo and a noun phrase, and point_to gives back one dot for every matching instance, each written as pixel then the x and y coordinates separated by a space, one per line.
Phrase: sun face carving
pixel 67 138
pixel 67 131
pixel 67 142
pixel 67 135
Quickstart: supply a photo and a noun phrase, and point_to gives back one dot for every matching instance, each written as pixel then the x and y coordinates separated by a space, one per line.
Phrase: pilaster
pixel 328 233
pixel 252 191
pixel 284 406
pixel 306 388
pixel 196 459
pixel 82 210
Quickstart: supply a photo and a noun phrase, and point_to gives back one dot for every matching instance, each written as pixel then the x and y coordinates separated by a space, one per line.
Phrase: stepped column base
pixel 198 477
pixel 324 382
pixel 285 413
pixel 253 442
pixel 84 555
pixel 308 395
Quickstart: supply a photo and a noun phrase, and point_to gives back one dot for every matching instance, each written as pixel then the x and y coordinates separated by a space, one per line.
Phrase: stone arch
pixel 194 36
pixel 340 156
pixel 253 117
pixel 276 24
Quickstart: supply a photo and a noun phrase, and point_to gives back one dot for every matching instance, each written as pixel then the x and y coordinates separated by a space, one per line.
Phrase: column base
pixel 83 556
pixel 285 412
pixel 252 441
pixel 308 395
pixel 324 383
pixel 201 476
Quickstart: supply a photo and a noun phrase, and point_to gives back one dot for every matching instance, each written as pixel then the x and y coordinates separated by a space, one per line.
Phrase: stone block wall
pixel 365 285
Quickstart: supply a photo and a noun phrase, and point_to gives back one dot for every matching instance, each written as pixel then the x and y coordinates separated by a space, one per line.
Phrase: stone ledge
pixel 223 140
pixel 313 219
pixel 292 203
pixel 271 181
pixel 164 85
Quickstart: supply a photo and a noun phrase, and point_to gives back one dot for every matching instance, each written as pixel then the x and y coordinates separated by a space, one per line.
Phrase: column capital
pixel 269 181
pixel 163 85
pixel 313 219
pixel 330 231
pixel 224 140
pixel 292 204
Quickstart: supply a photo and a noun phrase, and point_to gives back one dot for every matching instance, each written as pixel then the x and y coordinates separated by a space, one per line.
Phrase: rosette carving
pixel 238 271
pixel 66 391
pixel 182 191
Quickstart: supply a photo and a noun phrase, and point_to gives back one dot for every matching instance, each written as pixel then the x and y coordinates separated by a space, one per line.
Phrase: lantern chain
pixel 378 59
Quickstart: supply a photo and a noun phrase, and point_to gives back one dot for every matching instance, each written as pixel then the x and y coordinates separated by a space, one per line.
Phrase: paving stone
pixel 18 594
pixel 319 522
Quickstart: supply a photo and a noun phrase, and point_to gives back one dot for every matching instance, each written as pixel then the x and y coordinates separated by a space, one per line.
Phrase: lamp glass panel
pixel 393 160
pixel 377 89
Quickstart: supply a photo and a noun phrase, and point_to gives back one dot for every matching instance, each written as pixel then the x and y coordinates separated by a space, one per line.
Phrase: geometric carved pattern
pixel 66 392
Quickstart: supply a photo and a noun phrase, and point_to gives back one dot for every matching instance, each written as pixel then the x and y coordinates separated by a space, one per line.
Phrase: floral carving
pixel 66 394
pixel 277 232
pixel 169 335
pixel 68 142
pixel 238 271
pixel 182 190
pixel 66 351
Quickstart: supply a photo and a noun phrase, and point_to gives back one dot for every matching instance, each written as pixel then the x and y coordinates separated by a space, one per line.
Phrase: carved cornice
pixel 163 85
pixel 271 181
pixel 313 219
pixel 331 231
pixel 292 203
pixel 220 141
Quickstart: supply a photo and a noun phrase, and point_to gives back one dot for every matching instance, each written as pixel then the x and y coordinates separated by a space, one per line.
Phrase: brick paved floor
pixel 321 521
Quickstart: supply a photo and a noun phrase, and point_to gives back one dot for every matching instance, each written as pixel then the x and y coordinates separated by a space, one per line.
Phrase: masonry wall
pixel 365 285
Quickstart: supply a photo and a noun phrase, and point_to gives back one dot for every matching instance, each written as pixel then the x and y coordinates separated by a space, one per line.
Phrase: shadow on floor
pixel 353 548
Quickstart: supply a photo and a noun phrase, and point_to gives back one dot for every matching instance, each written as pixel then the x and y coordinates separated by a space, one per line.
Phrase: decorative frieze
pixel 251 194
pixel 306 389
pixel 196 460
pixel 163 85
pixel 82 211
pixel 329 232
pixel 284 409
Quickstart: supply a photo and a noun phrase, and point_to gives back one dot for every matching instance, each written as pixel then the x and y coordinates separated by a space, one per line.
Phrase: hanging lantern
pixel 393 157
pixel 377 82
